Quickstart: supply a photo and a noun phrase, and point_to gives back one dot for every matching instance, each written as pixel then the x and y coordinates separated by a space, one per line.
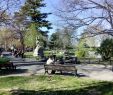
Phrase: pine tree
pixel 32 9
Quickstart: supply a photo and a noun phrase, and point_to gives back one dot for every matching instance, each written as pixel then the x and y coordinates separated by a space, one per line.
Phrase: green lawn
pixel 28 54
pixel 54 85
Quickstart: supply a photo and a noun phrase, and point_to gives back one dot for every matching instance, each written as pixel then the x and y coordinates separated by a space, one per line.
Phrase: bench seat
pixel 60 67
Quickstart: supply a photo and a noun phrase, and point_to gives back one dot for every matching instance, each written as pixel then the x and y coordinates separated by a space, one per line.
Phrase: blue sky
pixel 50 8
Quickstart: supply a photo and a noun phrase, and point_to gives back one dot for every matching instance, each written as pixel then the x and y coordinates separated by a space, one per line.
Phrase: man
pixel 50 60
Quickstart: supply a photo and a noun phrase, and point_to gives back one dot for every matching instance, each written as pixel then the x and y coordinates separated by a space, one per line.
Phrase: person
pixel 15 53
pixel 22 54
pixel 54 57
pixel 50 60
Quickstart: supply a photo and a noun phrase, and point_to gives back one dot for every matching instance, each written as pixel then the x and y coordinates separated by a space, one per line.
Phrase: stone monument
pixel 38 50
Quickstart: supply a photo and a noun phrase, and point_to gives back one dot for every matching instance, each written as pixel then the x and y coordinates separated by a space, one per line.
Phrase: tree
pixel 55 41
pixel 18 24
pixel 30 37
pixel 7 9
pixel 7 38
pixel 67 36
pixel 37 19
pixel 106 49
pixel 62 38
pixel 82 13
pixel 30 19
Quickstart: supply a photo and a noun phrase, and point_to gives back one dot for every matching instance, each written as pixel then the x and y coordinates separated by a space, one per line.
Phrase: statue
pixel 38 50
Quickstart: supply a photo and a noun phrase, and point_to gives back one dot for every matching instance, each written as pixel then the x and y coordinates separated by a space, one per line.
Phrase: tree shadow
pixel 100 88
pixel 29 63
pixel 70 74
pixel 4 72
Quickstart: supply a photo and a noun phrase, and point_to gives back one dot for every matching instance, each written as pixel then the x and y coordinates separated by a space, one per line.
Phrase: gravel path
pixel 95 71
pixel 32 67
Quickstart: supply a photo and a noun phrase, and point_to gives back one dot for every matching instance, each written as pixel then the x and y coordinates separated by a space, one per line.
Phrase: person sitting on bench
pixel 50 60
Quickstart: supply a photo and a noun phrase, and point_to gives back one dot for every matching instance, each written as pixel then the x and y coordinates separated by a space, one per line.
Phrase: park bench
pixel 8 65
pixel 60 67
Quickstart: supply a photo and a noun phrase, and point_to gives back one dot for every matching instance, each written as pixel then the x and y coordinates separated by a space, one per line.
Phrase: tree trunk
pixel 22 44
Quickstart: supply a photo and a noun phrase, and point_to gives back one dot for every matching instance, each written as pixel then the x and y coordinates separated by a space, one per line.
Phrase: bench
pixel 59 67
pixel 8 65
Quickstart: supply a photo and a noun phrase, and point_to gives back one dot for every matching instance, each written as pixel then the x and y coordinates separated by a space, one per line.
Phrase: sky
pixel 51 6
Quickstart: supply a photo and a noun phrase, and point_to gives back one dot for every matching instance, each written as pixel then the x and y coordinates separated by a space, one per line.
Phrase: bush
pixel 28 55
pixel 4 60
pixel 106 49
pixel 81 53
pixel 47 53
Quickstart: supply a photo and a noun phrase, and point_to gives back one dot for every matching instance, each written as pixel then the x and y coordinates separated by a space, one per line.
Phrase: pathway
pixel 32 67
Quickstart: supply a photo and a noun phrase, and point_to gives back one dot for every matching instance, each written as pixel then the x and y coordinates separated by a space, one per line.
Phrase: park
pixel 60 47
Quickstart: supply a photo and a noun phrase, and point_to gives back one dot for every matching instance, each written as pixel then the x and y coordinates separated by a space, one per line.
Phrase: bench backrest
pixel 60 67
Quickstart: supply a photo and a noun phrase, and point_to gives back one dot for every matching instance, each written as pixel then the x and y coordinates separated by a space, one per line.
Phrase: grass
pixel 47 53
pixel 53 85
pixel 28 54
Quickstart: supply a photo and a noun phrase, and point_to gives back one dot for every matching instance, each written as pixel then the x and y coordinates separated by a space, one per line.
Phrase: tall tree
pixel 19 24
pixel 55 41
pixel 32 9
pixel 67 36
pixel 29 18
pixel 62 38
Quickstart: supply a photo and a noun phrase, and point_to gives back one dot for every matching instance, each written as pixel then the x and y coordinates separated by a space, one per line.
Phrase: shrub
pixel 106 49
pixel 4 60
pixel 81 53
pixel 47 53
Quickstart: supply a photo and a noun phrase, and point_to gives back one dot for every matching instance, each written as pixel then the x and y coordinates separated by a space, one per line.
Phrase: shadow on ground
pixel 24 63
pixel 9 72
pixel 69 74
pixel 100 88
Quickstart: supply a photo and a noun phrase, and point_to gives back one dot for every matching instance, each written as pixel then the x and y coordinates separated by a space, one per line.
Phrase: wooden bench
pixel 59 67
pixel 8 65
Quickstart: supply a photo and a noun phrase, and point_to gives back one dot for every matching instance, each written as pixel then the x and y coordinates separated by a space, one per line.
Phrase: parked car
pixel 7 54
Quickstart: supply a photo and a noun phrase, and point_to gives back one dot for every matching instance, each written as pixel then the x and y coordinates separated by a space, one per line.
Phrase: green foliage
pixel 80 53
pixel 106 49
pixel 55 41
pixel 32 10
pixel 82 49
pixel 28 55
pixel 30 36
pixel 47 53
pixel 37 21
pixel 4 60
pixel 61 39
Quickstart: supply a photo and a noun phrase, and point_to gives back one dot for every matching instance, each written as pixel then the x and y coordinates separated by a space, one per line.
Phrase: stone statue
pixel 38 50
